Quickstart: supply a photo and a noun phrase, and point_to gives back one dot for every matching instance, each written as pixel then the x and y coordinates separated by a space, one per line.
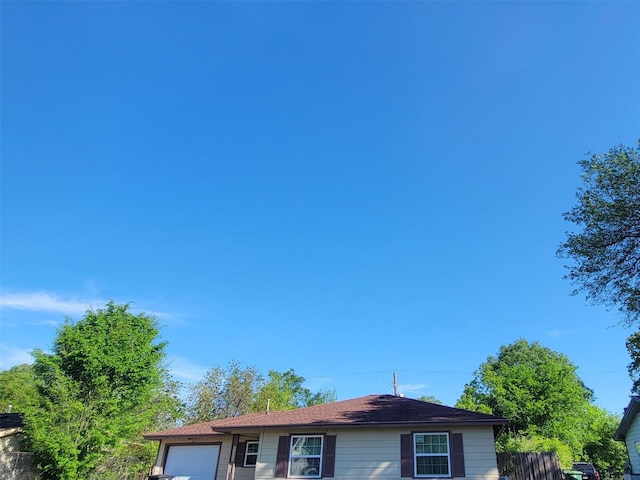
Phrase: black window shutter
pixel 328 456
pixel 457 455
pixel 406 455
pixel 242 447
pixel 282 457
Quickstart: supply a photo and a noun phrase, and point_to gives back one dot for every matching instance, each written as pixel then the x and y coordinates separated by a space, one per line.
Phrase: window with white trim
pixel 251 454
pixel 305 456
pixel 431 454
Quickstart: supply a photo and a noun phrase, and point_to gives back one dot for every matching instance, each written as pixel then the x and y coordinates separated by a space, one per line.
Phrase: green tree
pixel 606 252
pixel 223 392
pixel 633 347
pixel 96 391
pixel 537 443
pixel 236 390
pixel 537 389
pixel 17 388
pixel 285 391
pixel 430 399
pixel 607 454
pixel 132 457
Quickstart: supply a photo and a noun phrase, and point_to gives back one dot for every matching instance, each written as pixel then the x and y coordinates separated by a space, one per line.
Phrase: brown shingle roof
pixel 372 410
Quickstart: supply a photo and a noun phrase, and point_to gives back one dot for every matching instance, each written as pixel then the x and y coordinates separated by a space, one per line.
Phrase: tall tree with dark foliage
pixel 606 249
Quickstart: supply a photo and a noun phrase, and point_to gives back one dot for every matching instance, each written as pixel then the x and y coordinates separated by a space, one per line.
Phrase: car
pixel 589 472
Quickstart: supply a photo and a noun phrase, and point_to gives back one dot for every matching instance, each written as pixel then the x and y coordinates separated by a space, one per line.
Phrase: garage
pixel 192 462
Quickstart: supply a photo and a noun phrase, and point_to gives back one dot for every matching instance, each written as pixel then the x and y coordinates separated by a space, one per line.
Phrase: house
pixel 629 432
pixel 15 463
pixel 373 437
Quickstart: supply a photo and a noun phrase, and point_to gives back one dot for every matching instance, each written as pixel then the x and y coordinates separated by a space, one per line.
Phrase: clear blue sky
pixel 344 188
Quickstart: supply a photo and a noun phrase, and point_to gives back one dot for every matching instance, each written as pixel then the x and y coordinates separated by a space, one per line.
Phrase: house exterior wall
pixel 375 453
pixel 15 464
pixel 241 473
pixel 633 436
pixel 371 453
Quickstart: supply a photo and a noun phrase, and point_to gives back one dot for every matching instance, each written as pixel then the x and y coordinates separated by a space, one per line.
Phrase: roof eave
pixel 629 414
pixel 154 436
pixel 245 428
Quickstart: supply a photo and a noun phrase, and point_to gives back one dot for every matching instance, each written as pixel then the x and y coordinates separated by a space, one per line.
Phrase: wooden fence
pixel 530 466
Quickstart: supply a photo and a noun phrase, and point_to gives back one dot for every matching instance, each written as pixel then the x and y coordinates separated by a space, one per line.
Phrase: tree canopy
pixel 105 382
pixel 99 389
pixel 285 391
pixel 223 392
pixel 430 399
pixel 536 388
pixel 607 454
pixel 633 347
pixel 547 404
pixel 606 252
pixel 236 390
pixel 17 388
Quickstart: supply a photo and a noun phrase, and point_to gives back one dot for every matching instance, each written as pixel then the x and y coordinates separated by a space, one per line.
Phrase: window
pixel 431 452
pixel 305 456
pixel 416 448
pixel 251 454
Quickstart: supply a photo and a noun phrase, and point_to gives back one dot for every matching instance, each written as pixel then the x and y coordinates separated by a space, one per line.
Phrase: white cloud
pixel 171 317
pixel 47 323
pixel 409 388
pixel 50 302
pixel 46 302
pixel 183 368
pixel 561 333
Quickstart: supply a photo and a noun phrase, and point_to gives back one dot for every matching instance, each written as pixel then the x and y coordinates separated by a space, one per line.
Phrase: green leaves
pixel 606 257
pixel 284 391
pixel 234 390
pixel 606 251
pixel 17 388
pixel 113 351
pixel 633 347
pixel 606 453
pixel 96 391
pixel 540 393
pixel 224 392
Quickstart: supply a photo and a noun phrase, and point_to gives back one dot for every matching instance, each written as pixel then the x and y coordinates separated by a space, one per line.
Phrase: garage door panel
pixel 195 462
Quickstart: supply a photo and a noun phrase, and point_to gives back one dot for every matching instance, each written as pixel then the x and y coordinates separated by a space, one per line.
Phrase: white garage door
pixel 192 462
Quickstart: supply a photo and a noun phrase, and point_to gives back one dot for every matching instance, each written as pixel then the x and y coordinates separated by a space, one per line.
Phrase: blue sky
pixel 344 188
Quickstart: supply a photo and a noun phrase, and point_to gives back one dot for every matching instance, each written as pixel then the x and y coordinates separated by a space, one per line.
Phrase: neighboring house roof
pixel 627 418
pixel 11 420
pixel 368 411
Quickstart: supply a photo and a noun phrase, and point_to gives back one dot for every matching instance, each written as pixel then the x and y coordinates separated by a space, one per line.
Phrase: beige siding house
pixel 379 437
pixel 629 432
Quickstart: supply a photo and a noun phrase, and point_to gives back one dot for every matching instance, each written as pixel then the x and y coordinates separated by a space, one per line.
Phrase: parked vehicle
pixel 589 472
